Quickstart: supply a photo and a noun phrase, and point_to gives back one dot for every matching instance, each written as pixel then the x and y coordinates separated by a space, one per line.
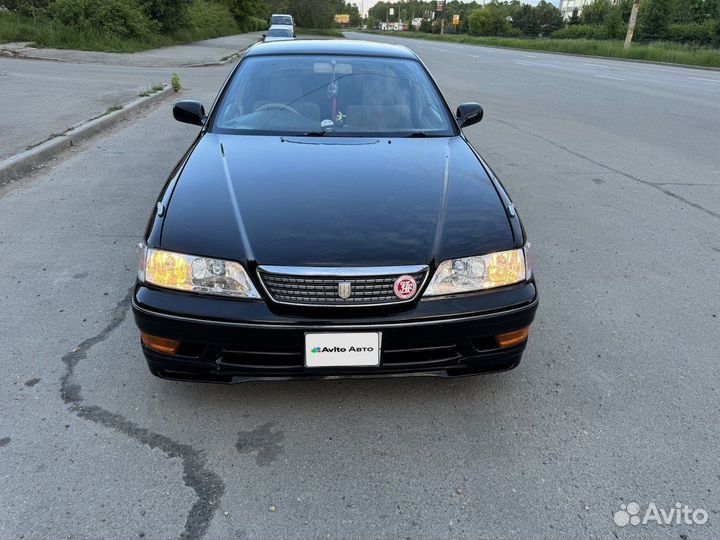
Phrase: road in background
pixel 615 401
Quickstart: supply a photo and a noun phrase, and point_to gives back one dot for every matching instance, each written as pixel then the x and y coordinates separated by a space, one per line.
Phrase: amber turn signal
pixel 512 338
pixel 161 345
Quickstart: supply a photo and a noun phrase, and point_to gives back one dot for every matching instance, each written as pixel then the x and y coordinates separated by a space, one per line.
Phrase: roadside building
pixel 567 6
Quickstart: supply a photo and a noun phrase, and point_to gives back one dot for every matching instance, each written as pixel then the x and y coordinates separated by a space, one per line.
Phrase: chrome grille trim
pixel 318 286
pixel 341 271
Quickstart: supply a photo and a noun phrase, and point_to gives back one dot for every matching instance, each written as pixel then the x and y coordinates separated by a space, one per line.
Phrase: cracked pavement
pixel 616 399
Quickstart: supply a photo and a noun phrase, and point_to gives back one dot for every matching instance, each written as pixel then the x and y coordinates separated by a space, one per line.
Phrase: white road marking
pixel 442 50
pixel 609 77
pixel 529 56
pixel 596 65
pixel 703 79
pixel 474 56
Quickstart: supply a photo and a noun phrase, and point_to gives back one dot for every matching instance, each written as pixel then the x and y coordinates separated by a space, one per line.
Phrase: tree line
pixel 690 21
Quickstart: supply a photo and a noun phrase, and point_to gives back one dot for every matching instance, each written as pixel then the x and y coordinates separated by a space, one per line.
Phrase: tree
pixel 525 20
pixel 655 17
pixel 595 12
pixel 245 10
pixel 574 18
pixel 489 20
pixel 549 18
pixel 614 25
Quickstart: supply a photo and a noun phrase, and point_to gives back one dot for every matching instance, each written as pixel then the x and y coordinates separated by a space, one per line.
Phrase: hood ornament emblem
pixel 344 289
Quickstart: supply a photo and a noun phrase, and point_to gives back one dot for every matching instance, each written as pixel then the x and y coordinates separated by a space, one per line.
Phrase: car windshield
pixel 332 96
pixel 281 19
pixel 279 32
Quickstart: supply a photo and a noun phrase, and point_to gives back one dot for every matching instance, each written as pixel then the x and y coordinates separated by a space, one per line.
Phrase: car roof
pixel 281 27
pixel 331 46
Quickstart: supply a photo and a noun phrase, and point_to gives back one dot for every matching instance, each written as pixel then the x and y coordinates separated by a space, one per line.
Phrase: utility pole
pixel 631 23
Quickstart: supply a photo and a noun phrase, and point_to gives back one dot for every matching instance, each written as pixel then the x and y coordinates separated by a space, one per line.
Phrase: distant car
pixel 282 19
pixel 278 33
pixel 332 220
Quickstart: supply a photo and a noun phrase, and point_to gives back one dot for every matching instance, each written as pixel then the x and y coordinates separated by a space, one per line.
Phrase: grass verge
pixel 661 51
pixel 14 27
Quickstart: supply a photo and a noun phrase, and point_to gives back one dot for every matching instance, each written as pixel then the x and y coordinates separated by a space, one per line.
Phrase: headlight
pixel 482 272
pixel 194 274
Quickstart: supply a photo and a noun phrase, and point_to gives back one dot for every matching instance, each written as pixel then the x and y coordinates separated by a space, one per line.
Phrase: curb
pixel 22 54
pixel 24 162
pixel 226 60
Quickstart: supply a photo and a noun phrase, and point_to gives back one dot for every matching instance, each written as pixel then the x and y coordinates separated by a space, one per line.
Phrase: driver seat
pixel 286 90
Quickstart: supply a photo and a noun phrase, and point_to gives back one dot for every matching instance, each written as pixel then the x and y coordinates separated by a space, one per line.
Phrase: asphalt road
pixel 47 97
pixel 614 168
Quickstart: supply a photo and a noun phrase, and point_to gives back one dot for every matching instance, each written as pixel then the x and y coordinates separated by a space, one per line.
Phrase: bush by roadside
pixel 120 25
pixel 706 33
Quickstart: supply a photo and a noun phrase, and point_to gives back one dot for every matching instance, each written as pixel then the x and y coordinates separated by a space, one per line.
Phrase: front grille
pixel 321 286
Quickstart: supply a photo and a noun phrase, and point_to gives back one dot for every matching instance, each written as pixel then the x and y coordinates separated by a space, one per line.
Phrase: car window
pixel 281 20
pixel 333 96
pixel 279 33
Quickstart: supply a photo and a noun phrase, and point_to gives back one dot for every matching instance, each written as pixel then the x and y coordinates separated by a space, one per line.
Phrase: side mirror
pixel 190 112
pixel 468 114
pixel 264 36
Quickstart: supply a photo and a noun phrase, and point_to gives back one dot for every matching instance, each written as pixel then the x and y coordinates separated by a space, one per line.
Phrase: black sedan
pixel 332 220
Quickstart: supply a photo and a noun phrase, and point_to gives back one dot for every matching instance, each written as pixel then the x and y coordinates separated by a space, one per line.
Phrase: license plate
pixel 342 350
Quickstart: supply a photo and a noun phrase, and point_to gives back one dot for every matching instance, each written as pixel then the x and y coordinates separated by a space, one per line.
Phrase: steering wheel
pixel 279 106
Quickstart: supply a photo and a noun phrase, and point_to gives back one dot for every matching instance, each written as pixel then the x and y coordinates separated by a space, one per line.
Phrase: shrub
pixel 171 15
pixel 581 31
pixel 25 7
pixel 210 19
pixel 256 24
pixel 120 18
pixel 698 33
pixel 490 20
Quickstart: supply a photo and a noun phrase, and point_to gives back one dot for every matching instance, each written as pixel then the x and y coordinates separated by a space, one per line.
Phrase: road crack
pixel 207 485
pixel 658 186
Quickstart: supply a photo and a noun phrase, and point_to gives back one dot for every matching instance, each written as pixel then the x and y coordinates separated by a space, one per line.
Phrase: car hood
pixel 334 201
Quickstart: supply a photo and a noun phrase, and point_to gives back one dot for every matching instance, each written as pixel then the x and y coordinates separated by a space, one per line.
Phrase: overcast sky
pixel 367 4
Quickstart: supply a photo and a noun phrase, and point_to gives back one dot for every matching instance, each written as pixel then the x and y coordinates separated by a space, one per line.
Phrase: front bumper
pixel 228 341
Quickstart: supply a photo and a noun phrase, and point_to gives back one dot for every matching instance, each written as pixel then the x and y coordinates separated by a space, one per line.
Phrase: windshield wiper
pixel 315 134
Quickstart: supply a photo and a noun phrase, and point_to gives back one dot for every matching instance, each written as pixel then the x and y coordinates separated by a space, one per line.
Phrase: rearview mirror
pixel 189 112
pixel 469 114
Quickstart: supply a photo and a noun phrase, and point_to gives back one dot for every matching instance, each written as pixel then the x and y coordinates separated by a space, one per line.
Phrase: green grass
pixel 49 34
pixel 328 32
pixel 154 89
pixel 660 51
